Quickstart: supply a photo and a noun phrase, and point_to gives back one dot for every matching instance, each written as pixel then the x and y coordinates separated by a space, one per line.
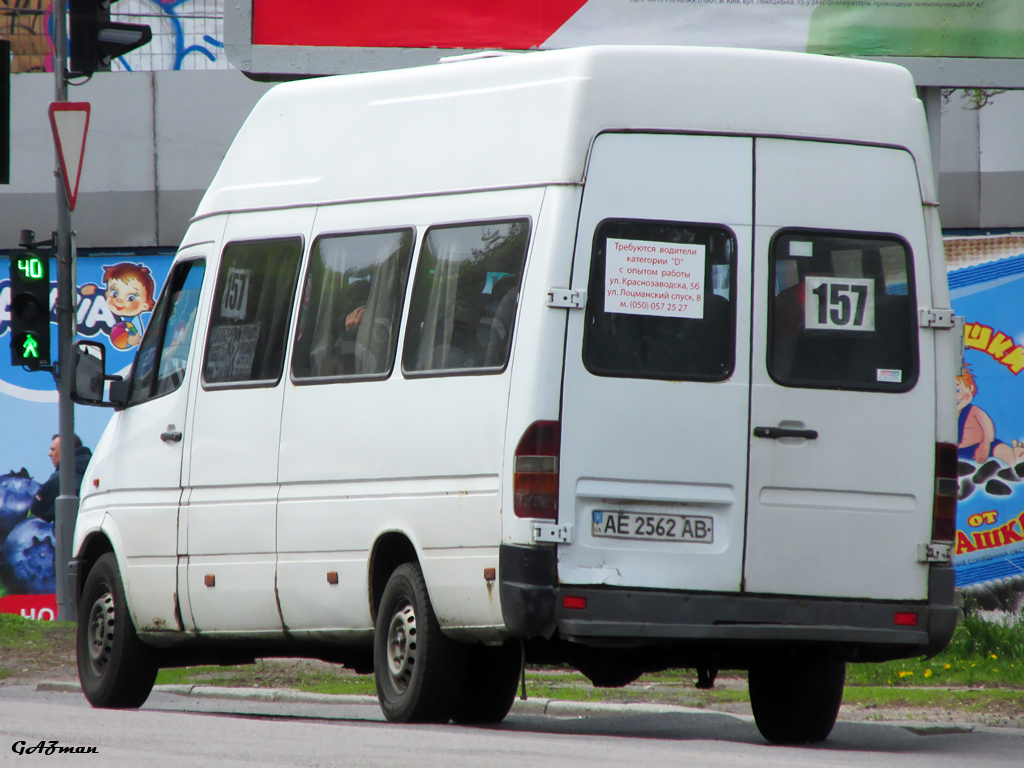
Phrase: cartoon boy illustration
pixel 976 436
pixel 129 292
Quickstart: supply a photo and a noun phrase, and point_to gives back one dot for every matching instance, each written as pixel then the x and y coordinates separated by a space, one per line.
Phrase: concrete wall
pixel 981 180
pixel 156 139
pixel 154 143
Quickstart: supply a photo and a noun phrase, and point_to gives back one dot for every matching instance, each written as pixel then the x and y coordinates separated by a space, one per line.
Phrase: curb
pixel 563 708
pixel 274 695
pixel 534 706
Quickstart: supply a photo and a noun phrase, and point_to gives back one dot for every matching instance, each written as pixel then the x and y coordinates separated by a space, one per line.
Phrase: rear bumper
pixel 531 602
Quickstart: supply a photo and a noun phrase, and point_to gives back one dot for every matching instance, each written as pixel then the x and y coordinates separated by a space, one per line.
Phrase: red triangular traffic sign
pixel 69 121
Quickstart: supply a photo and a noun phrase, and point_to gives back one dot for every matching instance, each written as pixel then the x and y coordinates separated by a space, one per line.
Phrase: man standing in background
pixel 44 504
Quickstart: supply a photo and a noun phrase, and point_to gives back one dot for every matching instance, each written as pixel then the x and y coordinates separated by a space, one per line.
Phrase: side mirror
pixel 90 376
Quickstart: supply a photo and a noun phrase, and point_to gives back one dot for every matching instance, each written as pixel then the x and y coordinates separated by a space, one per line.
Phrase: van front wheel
pixel 417 668
pixel 116 669
pixel 796 702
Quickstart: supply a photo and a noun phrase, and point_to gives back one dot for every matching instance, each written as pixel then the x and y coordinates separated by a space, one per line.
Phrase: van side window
pixel 352 305
pixel 842 313
pixel 660 302
pixel 464 297
pixel 163 353
pixel 251 310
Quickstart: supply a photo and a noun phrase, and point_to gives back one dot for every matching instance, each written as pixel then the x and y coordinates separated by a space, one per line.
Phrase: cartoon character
pixel 976 436
pixel 129 292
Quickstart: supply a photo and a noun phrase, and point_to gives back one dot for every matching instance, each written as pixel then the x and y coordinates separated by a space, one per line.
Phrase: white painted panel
pixel 657 446
pixel 315 604
pixel 419 456
pixel 232 506
pixel 840 515
pixel 462 598
pixel 146 580
pixel 240 600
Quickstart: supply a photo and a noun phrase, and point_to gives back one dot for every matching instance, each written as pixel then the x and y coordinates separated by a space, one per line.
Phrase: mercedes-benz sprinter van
pixel 630 358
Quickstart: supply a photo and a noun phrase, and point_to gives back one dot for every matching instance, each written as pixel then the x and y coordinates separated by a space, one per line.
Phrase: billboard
pixel 948 43
pixel 985 275
pixel 951 28
pixel 116 291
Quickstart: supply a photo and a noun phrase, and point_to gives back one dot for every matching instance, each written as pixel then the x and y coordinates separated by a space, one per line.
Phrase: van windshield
pixel 661 301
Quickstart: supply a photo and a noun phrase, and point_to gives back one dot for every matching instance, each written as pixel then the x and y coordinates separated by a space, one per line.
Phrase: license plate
pixel 635 525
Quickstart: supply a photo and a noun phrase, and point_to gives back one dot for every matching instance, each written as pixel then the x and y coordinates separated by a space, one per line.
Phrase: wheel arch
pixel 389 551
pixel 93 548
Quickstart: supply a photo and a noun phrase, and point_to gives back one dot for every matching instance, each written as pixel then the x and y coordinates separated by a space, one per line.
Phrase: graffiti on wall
pixel 26 25
pixel 187 34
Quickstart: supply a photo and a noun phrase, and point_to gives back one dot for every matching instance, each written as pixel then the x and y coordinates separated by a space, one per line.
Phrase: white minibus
pixel 626 358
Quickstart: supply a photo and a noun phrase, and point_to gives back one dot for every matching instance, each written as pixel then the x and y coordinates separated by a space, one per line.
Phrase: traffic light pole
pixel 67 501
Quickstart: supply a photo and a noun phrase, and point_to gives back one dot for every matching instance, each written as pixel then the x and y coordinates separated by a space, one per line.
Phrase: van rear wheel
pixel 116 669
pixel 492 679
pixel 418 670
pixel 796 703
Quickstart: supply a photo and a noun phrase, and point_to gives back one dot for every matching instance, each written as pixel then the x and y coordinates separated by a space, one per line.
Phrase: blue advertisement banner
pixel 116 291
pixel 985 288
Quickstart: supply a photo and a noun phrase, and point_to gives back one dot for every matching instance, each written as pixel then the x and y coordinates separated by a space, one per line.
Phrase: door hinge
pixel 566 298
pixel 936 318
pixel 935 553
pixel 552 534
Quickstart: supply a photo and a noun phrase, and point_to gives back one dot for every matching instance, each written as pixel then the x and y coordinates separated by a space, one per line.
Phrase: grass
pixel 980 654
pixel 22 638
pixel 265 674
pixel 17 632
pixel 944 698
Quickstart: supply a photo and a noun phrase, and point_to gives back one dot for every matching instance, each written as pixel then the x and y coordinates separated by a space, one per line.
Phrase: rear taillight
pixel 535 478
pixel 946 487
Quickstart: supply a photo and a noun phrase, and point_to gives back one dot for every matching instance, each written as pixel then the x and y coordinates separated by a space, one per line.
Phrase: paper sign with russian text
pixel 645 277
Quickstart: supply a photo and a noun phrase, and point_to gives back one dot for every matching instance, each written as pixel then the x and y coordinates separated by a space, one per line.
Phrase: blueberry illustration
pixel 1008 475
pixel 997 488
pixel 16 492
pixel 26 559
pixel 966 468
pixel 987 470
pixel 966 488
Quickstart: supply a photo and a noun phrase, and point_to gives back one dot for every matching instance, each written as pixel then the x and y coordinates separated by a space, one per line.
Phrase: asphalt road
pixel 175 730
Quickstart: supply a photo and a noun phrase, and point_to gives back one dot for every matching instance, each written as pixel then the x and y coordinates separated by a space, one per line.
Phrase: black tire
pixel 116 669
pixel 492 680
pixel 796 703
pixel 419 671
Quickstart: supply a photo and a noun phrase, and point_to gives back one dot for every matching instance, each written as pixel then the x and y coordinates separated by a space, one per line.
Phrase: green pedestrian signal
pixel 30 347
pixel 30 309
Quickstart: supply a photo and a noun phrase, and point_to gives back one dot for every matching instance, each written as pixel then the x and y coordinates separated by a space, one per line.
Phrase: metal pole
pixel 67 501
pixel 931 97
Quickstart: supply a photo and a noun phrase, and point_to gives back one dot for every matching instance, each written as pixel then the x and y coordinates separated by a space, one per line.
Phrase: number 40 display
pixel 31 268
pixel 839 304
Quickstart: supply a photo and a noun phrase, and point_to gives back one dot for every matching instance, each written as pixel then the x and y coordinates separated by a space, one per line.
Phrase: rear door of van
pixel 656 389
pixel 746 401
pixel 838 355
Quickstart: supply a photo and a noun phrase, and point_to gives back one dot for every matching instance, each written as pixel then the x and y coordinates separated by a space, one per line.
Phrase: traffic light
pixel 94 39
pixel 30 309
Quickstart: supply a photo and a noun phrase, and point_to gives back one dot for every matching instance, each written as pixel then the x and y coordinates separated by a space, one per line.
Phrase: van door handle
pixel 774 433
pixel 171 435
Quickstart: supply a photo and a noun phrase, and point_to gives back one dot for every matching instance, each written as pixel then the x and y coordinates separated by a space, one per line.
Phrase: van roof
pixel 530 119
